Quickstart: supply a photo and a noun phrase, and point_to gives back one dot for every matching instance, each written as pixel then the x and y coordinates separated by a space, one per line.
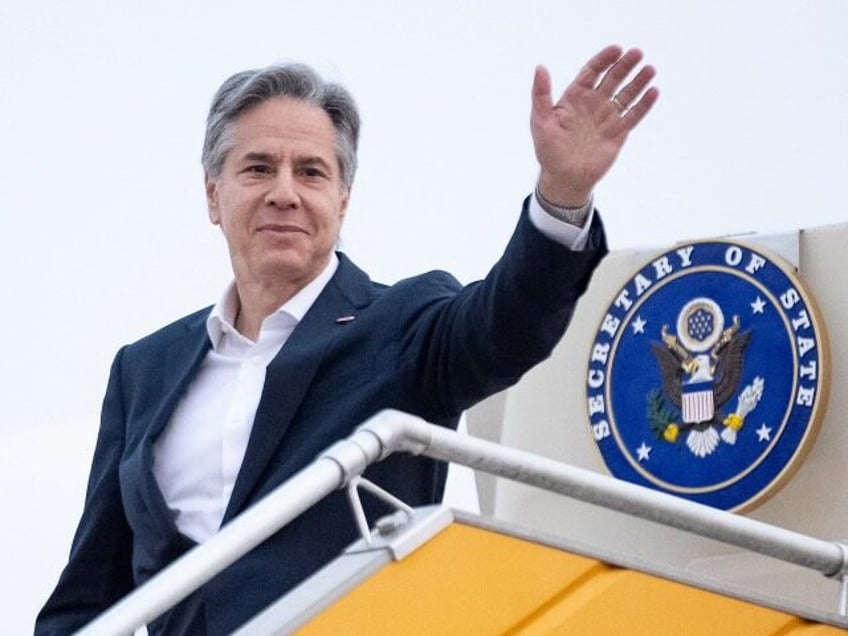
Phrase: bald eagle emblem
pixel 701 368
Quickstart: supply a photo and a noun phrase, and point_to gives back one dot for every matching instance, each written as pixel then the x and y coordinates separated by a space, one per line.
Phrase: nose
pixel 283 192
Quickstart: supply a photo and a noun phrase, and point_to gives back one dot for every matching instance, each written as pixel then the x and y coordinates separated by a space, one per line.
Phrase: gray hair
pixel 246 89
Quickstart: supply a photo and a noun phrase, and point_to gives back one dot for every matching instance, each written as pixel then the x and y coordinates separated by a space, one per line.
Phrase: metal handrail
pixel 392 431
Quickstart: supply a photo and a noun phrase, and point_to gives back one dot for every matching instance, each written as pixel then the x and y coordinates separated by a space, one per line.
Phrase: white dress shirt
pixel 198 455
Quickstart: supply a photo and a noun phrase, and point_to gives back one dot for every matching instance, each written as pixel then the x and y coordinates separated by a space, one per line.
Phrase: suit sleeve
pixel 474 341
pixel 99 569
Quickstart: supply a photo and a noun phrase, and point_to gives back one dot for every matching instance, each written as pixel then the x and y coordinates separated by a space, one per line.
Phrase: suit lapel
pixel 181 361
pixel 290 374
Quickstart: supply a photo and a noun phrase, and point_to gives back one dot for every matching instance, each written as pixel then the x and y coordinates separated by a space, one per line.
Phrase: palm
pixel 578 138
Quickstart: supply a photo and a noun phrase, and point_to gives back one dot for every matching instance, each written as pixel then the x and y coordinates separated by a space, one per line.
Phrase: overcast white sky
pixel 105 235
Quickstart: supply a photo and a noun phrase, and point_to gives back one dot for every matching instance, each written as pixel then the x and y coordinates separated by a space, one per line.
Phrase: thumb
pixel 541 102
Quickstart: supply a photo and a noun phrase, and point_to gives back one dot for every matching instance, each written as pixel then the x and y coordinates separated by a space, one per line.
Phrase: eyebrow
pixel 313 161
pixel 267 157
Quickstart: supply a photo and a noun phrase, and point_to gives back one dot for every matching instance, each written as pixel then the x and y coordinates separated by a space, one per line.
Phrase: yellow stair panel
pixel 628 602
pixel 469 580
pixel 465 581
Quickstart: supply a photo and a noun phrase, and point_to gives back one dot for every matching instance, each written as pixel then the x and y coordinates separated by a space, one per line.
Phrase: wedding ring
pixel 614 99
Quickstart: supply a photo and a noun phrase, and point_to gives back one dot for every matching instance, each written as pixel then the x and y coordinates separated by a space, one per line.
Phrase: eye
pixel 258 168
pixel 313 172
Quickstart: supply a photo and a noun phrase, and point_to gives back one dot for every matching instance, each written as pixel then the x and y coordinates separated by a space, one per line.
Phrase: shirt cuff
pixel 571 236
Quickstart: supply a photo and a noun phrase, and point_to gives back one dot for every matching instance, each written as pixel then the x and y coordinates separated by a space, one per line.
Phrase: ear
pixel 344 202
pixel 212 200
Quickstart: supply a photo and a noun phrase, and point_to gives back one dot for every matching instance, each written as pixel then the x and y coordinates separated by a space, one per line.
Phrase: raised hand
pixel 578 138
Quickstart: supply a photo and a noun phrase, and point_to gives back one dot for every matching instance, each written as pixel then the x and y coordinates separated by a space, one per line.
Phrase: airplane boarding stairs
pixel 434 571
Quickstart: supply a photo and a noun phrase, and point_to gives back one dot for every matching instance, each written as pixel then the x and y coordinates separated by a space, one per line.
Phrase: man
pixel 208 414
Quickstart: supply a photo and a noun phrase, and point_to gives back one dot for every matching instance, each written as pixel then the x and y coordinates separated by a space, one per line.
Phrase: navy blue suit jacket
pixel 425 345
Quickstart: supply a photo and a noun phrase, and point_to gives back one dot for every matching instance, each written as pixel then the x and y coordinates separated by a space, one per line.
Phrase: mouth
pixel 277 228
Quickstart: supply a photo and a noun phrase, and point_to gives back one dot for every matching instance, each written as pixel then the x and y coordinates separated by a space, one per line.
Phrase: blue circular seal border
pixel 709 375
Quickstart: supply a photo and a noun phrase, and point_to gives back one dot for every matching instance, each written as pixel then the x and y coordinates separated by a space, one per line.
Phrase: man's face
pixel 279 198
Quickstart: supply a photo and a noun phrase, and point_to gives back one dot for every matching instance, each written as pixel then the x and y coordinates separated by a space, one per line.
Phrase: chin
pixel 288 268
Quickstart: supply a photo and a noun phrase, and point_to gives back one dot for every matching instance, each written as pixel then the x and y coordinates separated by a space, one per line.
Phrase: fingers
pixel 603 82
pixel 633 107
pixel 609 69
pixel 626 98
pixel 618 71
pixel 637 112
pixel 628 94
pixel 590 74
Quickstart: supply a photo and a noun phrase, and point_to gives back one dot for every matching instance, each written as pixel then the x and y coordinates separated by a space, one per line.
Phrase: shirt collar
pixel 222 318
